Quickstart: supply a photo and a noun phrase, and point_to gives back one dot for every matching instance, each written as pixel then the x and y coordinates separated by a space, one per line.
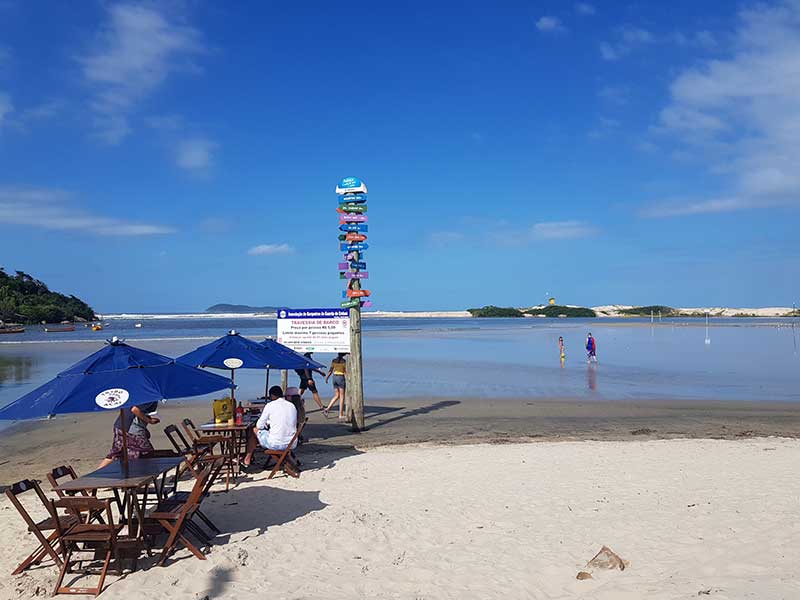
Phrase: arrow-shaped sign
pixel 358 247
pixel 366 303
pixel 355 198
pixel 359 275
pixel 354 237
pixel 355 293
pixel 348 218
pixel 358 264
pixel 354 227
pixel 350 303
pixel 352 208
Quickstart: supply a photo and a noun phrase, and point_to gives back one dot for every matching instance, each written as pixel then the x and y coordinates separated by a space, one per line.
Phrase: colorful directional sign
pixel 354 227
pixel 355 237
pixel 348 218
pixel 357 247
pixel 352 303
pixel 354 198
pixel 355 293
pixel 351 185
pixel 358 264
pixel 366 303
pixel 352 208
pixel 356 275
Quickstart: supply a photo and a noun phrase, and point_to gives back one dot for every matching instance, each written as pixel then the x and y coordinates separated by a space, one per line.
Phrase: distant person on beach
pixel 307 381
pixel 339 370
pixel 276 426
pixel 561 350
pixel 591 349
pixel 137 418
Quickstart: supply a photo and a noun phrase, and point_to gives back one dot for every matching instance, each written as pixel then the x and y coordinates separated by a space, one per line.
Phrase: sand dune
pixel 693 517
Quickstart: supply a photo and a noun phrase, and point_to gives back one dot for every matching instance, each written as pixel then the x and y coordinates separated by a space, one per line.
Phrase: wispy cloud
pixel 741 115
pixel 22 119
pixel 617 94
pixel 627 39
pixel 270 249
pixel 550 24
pixel 133 54
pixel 195 154
pixel 585 9
pixel 53 209
pixel 562 230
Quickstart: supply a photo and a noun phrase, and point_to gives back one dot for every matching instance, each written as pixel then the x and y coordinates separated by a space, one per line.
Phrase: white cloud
pixel 52 209
pixel 584 8
pixel 270 249
pixel 6 107
pixel 628 39
pixel 741 115
pixel 195 154
pixel 133 55
pixel 549 24
pixel 562 230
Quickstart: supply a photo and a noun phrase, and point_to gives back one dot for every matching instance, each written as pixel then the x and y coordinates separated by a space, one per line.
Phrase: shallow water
pixel 745 359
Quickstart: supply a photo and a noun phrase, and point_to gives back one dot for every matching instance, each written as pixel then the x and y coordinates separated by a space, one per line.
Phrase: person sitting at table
pixel 275 427
pixel 137 418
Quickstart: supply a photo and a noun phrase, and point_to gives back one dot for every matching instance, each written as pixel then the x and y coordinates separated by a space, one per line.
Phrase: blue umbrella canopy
pixel 267 355
pixel 113 377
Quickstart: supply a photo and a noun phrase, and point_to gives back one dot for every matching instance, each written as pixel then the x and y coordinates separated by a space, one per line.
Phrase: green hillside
pixel 556 311
pixel 495 312
pixel 24 299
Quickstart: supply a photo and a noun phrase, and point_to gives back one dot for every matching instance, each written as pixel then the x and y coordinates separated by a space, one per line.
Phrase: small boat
pixel 137 325
pixel 97 327
pixel 58 328
pixel 11 329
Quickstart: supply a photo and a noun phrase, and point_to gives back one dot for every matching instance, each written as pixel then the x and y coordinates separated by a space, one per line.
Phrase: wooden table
pixel 237 439
pixel 126 483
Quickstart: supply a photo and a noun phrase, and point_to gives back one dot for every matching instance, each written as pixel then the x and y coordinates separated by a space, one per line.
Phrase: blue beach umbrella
pixel 115 376
pixel 234 351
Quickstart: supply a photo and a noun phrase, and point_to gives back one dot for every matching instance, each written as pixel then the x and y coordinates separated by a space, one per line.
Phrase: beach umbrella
pixel 234 351
pixel 116 376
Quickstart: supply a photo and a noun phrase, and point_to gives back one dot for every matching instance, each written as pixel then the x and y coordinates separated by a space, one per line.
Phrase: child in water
pixel 561 349
pixel 591 349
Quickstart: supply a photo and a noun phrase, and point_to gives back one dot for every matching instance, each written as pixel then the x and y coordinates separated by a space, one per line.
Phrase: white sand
pixel 695 518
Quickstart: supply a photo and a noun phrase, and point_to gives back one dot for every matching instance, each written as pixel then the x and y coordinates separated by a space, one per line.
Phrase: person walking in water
pixel 307 381
pixel 591 349
pixel 561 349
pixel 339 371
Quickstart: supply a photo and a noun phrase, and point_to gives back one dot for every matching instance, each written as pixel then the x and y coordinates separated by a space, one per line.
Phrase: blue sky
pixel 167 156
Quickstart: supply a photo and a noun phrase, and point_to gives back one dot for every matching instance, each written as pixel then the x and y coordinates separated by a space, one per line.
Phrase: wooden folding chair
pixel 63 472
pixel 285 459
pixel 37 528
pixel 196 456
pixel 85 537
pixel 198 438
pixel 176 519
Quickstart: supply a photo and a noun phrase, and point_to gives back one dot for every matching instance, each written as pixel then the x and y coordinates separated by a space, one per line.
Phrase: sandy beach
pixel 714 518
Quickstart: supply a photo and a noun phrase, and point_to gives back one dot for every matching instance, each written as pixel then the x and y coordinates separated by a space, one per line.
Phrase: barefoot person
pixel 275 427
pixel 561 350
pixel 591 349
pixel 307 381
pixel 338 369
pixel 137 418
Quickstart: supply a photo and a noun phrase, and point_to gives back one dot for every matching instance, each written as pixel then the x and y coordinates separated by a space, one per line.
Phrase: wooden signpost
pixel 352 194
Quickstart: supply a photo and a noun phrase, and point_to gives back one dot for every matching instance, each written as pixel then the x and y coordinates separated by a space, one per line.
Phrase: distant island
pixel 24 299
pixel 241 308
pixel 551 310
pixel 620 310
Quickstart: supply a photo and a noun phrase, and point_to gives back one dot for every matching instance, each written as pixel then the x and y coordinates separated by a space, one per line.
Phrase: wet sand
pixel 32 449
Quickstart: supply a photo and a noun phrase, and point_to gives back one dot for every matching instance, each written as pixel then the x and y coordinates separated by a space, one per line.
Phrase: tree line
pixel 25 299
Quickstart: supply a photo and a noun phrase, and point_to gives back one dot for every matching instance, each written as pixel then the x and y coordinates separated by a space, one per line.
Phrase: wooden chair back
pixel 283 457
pixel 191 430
pixel 177 440
pixel 60 473
pixel 35 527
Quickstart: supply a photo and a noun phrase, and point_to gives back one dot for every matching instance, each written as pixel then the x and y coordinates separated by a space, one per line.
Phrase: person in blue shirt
pixel 591 349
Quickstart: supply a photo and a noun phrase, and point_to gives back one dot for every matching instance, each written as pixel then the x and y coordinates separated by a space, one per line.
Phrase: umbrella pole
pixel 124 440
pixel 233 386
pixel 266 385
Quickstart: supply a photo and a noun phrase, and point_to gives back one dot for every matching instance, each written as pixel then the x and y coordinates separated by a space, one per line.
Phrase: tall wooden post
pixel 355 377
pixel 284 380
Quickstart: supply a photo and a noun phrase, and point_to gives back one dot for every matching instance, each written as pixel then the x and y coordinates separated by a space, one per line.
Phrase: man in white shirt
pixel 275 427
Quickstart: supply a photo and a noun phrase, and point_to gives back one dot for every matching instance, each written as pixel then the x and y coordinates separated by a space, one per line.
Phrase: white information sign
pixel 314 329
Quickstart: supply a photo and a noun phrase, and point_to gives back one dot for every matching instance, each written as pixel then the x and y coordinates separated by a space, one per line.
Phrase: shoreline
pixel 31 449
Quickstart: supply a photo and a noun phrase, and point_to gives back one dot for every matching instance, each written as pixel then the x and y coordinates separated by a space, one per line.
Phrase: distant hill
pixel 240 308
pixel 24 299
pixel 555 310
pixel 495 312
